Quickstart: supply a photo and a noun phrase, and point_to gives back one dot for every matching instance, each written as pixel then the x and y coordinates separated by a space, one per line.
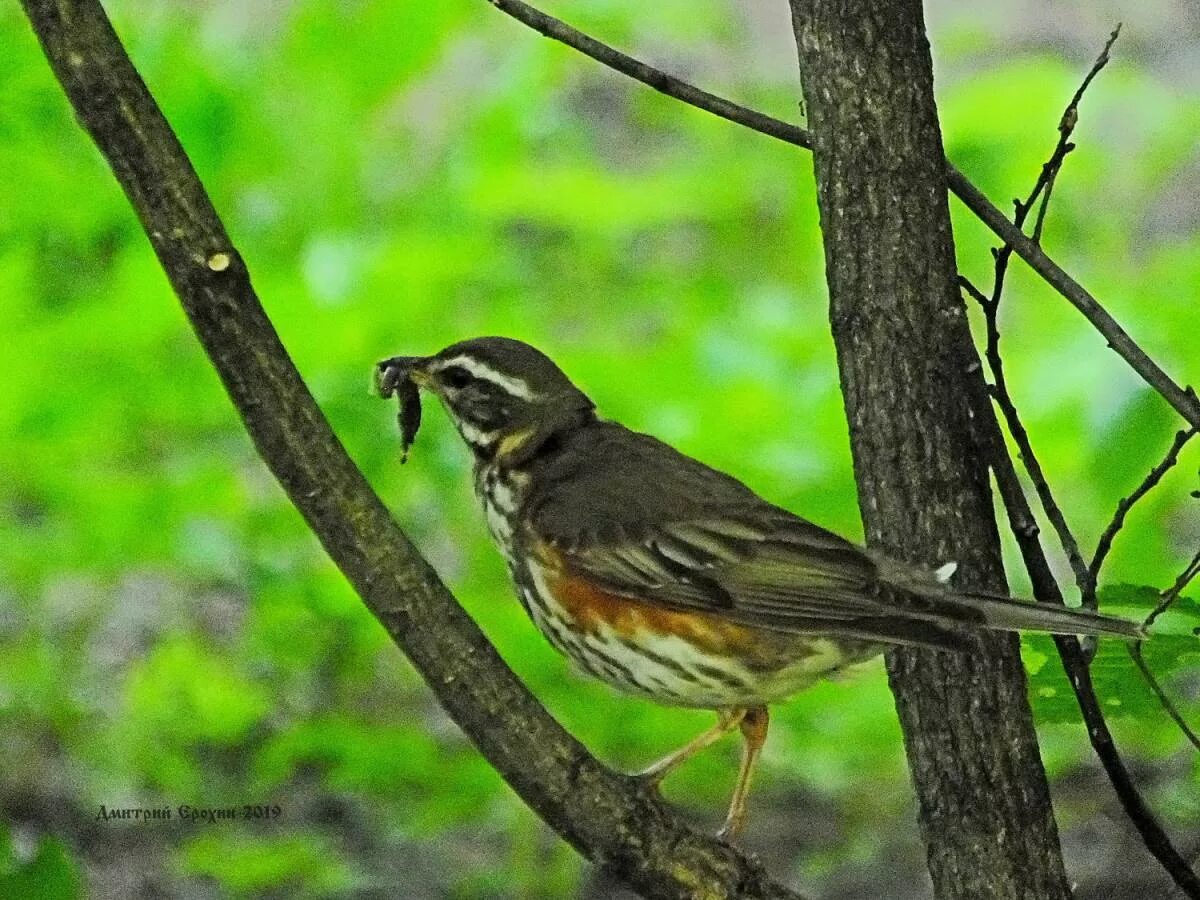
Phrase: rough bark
pixel 907 362
pixel 608 817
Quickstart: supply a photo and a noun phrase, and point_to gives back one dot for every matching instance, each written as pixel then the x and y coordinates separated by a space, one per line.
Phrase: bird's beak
pixel 392 374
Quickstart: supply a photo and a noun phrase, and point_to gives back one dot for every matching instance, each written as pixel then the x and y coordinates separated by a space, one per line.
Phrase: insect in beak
pixel 402 377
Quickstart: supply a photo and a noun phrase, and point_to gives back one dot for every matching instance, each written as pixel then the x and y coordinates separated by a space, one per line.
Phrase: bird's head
pixel 505 397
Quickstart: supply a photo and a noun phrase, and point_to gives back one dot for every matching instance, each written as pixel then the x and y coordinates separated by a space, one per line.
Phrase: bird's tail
pixel 996 612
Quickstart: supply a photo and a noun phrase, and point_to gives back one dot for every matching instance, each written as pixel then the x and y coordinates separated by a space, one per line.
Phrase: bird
pixel 669 579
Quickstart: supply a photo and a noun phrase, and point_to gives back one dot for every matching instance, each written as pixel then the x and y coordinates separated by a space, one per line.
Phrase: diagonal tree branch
pixel 1153 477
pixel 560 31
pixel 1183 400
pixel 608 817
pixel 1135 653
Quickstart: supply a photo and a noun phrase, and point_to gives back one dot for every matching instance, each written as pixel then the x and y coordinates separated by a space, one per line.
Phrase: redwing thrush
pixel 667 578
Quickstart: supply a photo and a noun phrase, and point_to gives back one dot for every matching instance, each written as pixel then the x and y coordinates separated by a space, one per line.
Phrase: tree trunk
pixel 907 364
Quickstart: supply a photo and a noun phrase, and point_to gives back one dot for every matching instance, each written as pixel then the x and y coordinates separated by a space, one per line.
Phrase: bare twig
pixel 1153 477
pixel 1182 399
pixel 608 817
pixel 1066 125
pixel 1050 169
pixel 1135 653
pixel 1104 545
pixel 999 392
pixel 1169 596
pixel 1186 577
pixel 1036 474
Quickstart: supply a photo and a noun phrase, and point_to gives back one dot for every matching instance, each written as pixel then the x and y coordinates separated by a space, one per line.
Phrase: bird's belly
pixel 677 658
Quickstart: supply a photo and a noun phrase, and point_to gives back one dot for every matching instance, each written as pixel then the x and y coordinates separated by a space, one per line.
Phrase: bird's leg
pixel 727 720
pixel 754 723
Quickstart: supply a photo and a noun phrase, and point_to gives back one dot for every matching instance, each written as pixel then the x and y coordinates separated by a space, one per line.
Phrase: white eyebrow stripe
pixel 515 386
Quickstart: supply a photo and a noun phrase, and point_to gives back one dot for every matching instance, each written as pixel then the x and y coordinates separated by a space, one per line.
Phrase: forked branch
pixel 608 817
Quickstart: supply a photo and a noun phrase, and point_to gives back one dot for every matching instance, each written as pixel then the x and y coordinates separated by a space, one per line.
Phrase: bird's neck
pixel 523 446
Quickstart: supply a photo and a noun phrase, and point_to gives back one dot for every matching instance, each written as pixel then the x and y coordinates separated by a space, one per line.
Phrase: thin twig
pixel 1066 125
pixel 610 818
pixel 1037 475
pixel 1135 653
pixel 1186 577
pixel 1050 169
pixel 560 31
pixel 999 392
pixel 1104 545
pixel 1182 399
pixel 1169 596
pixel 1153 477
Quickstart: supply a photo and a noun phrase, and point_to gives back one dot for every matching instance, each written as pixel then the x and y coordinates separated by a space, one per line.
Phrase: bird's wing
pixel 640 520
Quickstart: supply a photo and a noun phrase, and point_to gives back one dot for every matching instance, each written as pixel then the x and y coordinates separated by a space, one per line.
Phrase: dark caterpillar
pixel 392 377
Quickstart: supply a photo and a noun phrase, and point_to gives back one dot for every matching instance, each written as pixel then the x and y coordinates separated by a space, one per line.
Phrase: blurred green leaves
pixel 249 865
pixel 49 874
pixel 400 176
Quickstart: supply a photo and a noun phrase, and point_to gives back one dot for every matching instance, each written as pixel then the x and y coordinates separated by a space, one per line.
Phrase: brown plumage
pixel 668 578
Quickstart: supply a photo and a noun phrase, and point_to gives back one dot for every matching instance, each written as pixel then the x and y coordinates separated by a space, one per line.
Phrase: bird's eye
pixel 456 377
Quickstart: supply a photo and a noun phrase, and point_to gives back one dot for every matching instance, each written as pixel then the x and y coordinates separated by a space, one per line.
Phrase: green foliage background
pixel 402 175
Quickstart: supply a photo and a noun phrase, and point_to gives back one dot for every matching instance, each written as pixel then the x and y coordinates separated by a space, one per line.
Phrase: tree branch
pixel 610 818
pixel 560 31
pixel 1104 545
pixel 1183 400
pixel 1050 169
pixel 1189 574
pixel 1016 428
